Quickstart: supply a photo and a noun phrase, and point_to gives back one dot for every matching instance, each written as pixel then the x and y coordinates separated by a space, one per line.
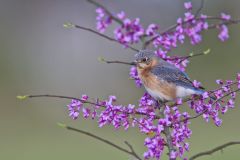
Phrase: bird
pixel 162 80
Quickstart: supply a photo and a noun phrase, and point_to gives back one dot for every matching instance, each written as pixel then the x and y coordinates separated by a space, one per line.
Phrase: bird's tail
pixel 201 92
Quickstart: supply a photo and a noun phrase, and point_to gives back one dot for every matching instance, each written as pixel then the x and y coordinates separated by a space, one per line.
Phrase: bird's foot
pixel 159 104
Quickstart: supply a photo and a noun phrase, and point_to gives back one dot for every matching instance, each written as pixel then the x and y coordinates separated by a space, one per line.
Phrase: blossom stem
pixel 204 111
pixel 167 134
pixel 119 62
pixel 172 58
pixel 63 97
pixel 200 8
pixel 132 152
pixel 102 35
pixel 83 101
pixel 106 10
pixel 172 27
pixel 209 152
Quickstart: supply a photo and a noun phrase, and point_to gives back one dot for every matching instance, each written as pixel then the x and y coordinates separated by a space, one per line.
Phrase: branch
pixel 121 62
pixel 183 58
pixel 102 35
pixel 57 96
pixel 167 134
pixel 204 111
pixel 132 152
pixel 106 10
pixel 209 152
pixel 172 27
pixel 200 8
pixel 83 101
pixel 101 59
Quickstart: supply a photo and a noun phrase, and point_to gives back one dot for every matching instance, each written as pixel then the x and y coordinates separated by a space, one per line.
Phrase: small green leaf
pixel 68 25
pixel 207 51
pixel 191 54
pixel 22 97
pixel 62 125
pixel 101 59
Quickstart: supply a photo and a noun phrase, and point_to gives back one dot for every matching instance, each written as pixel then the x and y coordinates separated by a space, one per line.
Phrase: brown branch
pixel 167 134
pixel 101 59
pixel 112 17
pixel 63 97
pixel 200 8
pixel 121 62
pixel 183 58
pixel 209 152
pixel 83 101
pixel 229 22
pixel 132 152
pixel 172 27
pixel 204 111
pixel 103 35
pixel 118 62
pixel 106 10
pixel 227 85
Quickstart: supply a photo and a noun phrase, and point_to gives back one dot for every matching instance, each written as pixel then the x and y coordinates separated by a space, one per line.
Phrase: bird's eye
pixel 144 59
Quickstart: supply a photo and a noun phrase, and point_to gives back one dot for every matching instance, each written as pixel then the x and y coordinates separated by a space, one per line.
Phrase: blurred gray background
pixel 37 56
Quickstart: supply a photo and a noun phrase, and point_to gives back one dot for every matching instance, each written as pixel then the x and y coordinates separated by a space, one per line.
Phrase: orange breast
pixel 163 89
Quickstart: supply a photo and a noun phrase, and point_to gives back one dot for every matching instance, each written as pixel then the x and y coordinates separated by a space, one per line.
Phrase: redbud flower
pixel 223 35
pixel 225 16
pixel 188 5
pixel 74 108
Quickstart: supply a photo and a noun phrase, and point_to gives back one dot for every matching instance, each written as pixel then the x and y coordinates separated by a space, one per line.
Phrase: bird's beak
pixel 136 62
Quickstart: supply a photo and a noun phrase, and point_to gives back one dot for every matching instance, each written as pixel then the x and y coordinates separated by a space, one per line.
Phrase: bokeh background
pixel 37 56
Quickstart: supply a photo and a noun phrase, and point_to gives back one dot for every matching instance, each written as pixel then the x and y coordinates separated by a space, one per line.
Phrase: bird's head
pixel 145 59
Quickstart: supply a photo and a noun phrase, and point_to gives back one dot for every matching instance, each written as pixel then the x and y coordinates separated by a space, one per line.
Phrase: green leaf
pixel 207 51
pixel 68 25
pixel 22 97
pixel 101 59
pixel 62 125
pixel 191 54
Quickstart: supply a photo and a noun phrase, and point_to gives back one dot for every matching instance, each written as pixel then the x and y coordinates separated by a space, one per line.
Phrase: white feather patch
pixel 183 92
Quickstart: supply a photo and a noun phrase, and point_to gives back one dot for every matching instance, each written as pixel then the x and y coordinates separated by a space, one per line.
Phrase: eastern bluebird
pixel 162 80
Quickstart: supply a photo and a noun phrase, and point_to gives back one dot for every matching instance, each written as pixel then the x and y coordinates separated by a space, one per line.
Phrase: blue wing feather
pixel 173 75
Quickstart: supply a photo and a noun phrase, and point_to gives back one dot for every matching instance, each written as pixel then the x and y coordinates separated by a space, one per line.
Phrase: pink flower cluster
pixel 152 123
pixel 103 20
pixel 146 116
pixel 129 32
pixel 190 26
pixel 211 103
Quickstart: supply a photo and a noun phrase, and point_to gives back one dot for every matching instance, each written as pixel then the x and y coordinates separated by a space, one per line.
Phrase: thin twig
pixel 112 17
pixel 83 101
pixel 227 85
pixel 106 10
pixel 209 152
pixel 132 152
pixel 167 134
pixel 204 111
pixel 200 8
pixel 120 62
pixel 103 35
pixel 63 97
pixel 172 27
pixel 190 56
pixel 171 58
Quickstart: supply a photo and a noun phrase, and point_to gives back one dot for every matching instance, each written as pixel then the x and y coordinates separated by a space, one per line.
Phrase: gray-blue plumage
pixel 167 72
pixel 173 75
